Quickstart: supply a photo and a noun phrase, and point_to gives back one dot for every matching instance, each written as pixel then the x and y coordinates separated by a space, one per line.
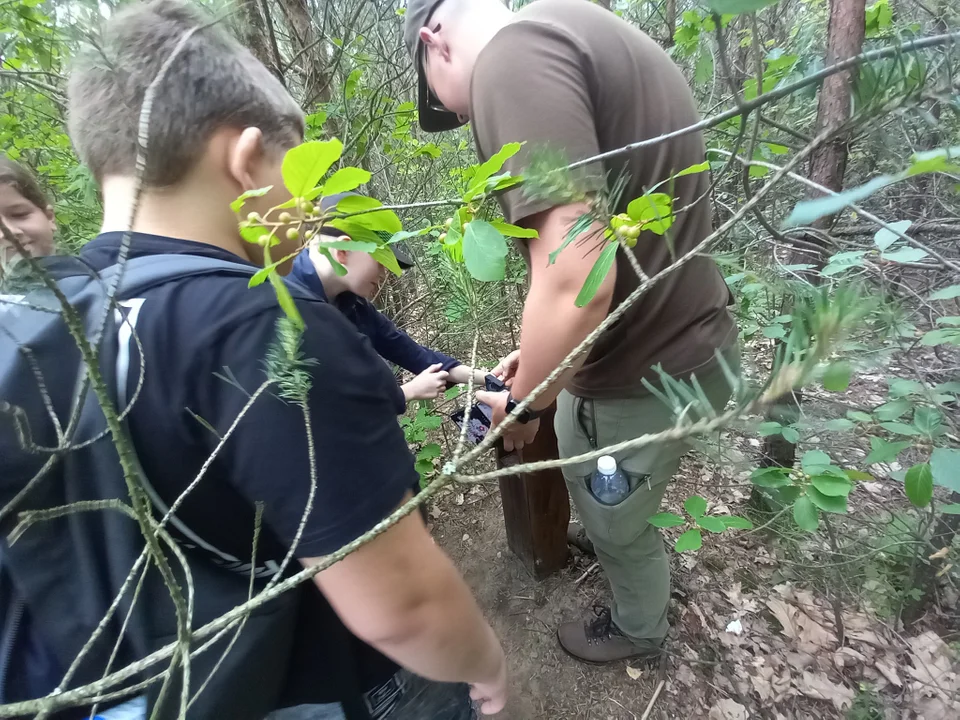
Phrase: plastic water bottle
pixel 608 484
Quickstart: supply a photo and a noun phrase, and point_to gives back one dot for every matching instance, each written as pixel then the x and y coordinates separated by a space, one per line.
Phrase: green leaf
pixel 486 170
pixel 690 540
pixel 430 451
pixel 900 428
pixel 368 225
pixel 952 509
pixel 385 256
pixel 712 524
pixel 694 169
pixel 304 165
pixel 859 416
pixel 941 337
pixel 237 204
pixel 905 255
pixel 814 460
pixel 882 451
pixel 947 293
pixel 839 425
pixel 831 485
pixel 597 275
pixel 774 331
pixel 892 410
pixel 423 466
pixel 771 477
pixel 791 435
pixel 805 514
pixel 735 7
pixel 928 420
pixel 703 70
pixel 858 475
pixel 934 161
pixel 901 387
pixel 580 225
pixel 737 523
pixel 514 231
pixel 666 520
pixel 653 211
pixel 285 299
pixel 484 251
pixel 886 237
pixel 695 506
pixel 769 428
pixel 344 180
pixel 452 392
pixel 808 211
pixel 351 245
pixel 945 465
pixel 837 376
pixel 827 503
pixel 918 485
pixel 260 276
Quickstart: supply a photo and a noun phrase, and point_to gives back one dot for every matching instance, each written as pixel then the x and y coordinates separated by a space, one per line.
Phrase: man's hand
pixel 492 696
pixel 507 368
pixel 518 434
pixel 428 385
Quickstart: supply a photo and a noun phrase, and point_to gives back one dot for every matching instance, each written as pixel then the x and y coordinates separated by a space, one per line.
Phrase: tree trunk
pixel 845 32
pixel 670 15
pixel 311 65
pixel 253 33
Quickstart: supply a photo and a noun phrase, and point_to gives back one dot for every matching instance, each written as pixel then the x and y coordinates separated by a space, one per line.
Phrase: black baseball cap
pixel 404 260
pixel 433 116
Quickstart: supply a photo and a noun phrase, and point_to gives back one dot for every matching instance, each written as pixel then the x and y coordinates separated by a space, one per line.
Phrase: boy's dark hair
pixel 23 181
pixel 212 82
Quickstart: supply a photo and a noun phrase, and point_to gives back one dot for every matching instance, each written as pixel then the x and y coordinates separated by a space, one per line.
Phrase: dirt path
pixel 748 639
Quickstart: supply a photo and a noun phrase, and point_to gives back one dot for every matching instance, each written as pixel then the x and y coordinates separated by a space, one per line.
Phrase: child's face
pixel 364 274
pixel 33 227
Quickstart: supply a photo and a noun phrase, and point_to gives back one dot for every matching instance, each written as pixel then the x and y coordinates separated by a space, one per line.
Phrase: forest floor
pixel 753 636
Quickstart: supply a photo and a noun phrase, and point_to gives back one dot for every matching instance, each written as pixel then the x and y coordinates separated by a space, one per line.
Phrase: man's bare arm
pixel 401 594
pixel 552 324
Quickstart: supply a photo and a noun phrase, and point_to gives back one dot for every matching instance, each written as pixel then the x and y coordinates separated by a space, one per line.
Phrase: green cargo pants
pixel 630 550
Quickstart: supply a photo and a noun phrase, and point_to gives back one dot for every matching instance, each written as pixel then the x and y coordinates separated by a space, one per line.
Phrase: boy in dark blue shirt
pixel 351 295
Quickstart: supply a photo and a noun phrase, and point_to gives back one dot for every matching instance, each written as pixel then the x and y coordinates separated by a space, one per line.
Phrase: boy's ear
pixel 340 255
pixel 48 211
pixel 245 156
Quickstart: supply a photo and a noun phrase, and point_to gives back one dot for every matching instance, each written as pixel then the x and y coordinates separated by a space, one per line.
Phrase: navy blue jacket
pixel 390 342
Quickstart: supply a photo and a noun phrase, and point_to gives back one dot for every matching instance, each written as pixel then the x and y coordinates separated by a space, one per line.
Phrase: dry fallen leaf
pixel 820 687
pixel 728 709
pixel 887 667
pixel 941 553
pixel 634 673
pixel 933 666
pixel 809 635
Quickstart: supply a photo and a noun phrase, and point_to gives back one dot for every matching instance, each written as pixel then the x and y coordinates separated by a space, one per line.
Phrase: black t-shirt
pixel 205 341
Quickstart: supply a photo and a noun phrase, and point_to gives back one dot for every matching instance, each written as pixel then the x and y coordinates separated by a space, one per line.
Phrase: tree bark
pixel 311 65
pixel 845 33
pixel 670 15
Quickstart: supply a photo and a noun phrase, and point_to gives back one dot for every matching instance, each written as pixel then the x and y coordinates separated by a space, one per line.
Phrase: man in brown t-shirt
pixel 569 76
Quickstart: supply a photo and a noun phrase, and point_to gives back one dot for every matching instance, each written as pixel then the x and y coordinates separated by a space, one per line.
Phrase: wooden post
pixel 536 507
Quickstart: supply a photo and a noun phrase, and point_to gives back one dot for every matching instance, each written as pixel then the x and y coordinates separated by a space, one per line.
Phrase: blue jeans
pixel 404 697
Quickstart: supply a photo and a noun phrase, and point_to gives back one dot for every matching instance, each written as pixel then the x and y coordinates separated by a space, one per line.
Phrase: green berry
pixel 264 240
pixel 284 217
pixel 293 234
pixel 253 217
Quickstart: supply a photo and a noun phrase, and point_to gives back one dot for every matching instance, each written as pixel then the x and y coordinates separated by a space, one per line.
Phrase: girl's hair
pixel 23 181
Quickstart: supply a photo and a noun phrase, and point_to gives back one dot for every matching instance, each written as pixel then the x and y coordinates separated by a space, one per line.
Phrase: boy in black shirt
pixel 220 125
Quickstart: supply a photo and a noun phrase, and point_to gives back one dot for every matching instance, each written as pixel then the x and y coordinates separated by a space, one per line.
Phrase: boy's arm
pixel 393 344
pixel 401 594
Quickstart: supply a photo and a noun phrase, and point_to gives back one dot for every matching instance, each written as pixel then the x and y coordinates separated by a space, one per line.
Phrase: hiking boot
pixel 577 536
pixel 597 640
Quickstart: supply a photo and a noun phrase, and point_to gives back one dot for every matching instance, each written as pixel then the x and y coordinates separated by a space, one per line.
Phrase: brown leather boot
pixel 597 640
